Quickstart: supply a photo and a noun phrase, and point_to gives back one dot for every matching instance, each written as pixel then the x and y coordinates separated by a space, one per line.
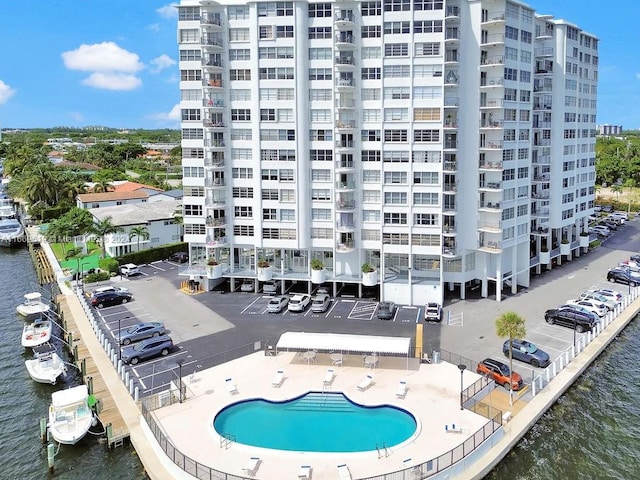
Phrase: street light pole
pixel 180 362
pixel 462 368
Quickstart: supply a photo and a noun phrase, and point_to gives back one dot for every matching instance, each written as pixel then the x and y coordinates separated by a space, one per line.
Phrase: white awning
pixel 69 396
pixel 340 342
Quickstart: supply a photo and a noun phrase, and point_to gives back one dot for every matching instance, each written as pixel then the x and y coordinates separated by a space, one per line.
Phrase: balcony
pixel 490 186
pixel 212 65
pixel 345 186
pixel 540 106
pixel 452 12
pixel 345 124
pixel 344 19
pixel 345 246
pixel 490 247
pixel 345 206
pixel 345 227
pixel 344 144
pixel 449 250
pixel 540 213
pixel 492 61
pixel 213 164
pixel 214 143
pixel 542 178
pixel 213 103
pixel 541 142
pixel 449 188
pixel 215 43
pixel 211 23
pixel 540 196
pixel 214 124
pixel 492 82
pixel 490 227
pixel 493 39
pixel 451 102
pixel 449 230
pixel 345 41
pixel 212 241
pixel 450 166
pixel 345 84
pixel 214 182
pixel 345 165
pixel 494 145
pixel 541 160
pixel 452 35
pixel 344 62
pixel 213 83
pixel 490 166
pixel 493 18
pixel 345 104
pixel 539 125
pixel 216 200
pixel 543 52
pixel 490 123
pixel 215 222
pixel 451 57
pixel 493 103
pixel 490 206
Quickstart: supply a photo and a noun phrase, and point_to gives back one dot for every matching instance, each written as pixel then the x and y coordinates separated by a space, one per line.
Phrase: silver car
pixel 277 304
pixel 140 331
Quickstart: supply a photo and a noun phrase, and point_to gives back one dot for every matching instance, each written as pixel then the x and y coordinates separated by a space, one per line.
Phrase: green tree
pixel 631 185
pixel 512 326
pixel 78 254
pixel 74 223
pixel 107 175
pixel 140 232
pixel 617 189
pixel 41 183
pixel 102 187
pixel 103 228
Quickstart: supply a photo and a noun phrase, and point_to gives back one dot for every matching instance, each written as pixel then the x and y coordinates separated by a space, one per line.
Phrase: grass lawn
pixel 87 262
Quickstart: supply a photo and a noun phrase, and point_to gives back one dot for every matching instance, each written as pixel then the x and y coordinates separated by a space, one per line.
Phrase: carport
pixel 344 344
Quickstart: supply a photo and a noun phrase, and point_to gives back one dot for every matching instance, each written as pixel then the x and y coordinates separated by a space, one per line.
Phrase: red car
pixel 499 372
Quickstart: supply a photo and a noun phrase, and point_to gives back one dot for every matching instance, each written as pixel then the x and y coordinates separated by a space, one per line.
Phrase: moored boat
pixel 11 233
pixel 36 333
pixel 32 305
pixel 46 366
pixel 70 417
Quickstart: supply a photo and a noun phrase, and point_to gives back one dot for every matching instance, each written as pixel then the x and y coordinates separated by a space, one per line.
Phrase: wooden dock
pixel 43 267
pixel 108 413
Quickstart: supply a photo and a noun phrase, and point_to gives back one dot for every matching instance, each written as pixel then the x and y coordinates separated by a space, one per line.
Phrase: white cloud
pixel 112 81
pixel 154 27
pixel 168 11
pixel 102 57
pixel 161 62
pixel 6 92
pixel 172 116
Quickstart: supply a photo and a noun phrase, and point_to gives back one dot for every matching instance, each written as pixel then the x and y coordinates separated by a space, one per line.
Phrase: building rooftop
pixel 137 213
pixel 112 196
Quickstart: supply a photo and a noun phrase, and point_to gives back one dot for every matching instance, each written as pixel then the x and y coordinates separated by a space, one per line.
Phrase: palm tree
pixel 617 189
pixel 630 184
pixel 139 232
pixel 103 228
pixel 78 254
pixel 101 187
pixel 510 325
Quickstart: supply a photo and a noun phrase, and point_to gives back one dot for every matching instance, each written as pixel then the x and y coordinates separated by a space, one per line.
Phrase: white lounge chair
pixel 251 466
pixel 278 379
pixel 366 383
pixel 328 378
pixel 343 472
pixel 231 387
pixel 305 471
pixel 402 389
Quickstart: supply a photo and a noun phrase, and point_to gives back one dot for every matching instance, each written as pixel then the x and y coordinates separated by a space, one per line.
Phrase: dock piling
pixel 51 455
pixel 43 430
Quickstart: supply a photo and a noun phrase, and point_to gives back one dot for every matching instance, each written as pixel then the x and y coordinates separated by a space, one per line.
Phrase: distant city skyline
pixel 114 64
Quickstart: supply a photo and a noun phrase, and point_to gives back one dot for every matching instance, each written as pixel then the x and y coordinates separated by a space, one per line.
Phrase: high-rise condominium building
pixel 443 143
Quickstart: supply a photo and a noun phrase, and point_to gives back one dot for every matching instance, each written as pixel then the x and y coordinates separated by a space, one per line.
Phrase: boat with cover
pixel 36 333
pixel 7 208
pixel 70 417
pixel 11 232
pixel 45 366
pixel 32 305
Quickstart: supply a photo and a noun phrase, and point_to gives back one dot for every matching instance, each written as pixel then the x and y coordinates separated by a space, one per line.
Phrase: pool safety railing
pixel 382 451
pixel 226 439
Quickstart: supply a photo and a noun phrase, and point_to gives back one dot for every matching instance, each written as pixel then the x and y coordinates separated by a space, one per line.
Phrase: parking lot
pixel 209 324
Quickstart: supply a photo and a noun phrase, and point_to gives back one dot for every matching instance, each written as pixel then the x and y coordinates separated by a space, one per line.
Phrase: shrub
pixel 367 268
pixel 316 264
pixel 97 277
pixel 212 262
pixel 262 263
pixel 109 264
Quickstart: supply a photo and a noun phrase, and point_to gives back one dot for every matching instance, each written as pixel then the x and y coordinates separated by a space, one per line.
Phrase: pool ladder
pixel 383 451
pixel 226 439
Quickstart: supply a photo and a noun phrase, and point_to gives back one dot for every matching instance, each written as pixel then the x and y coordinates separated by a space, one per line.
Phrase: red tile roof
pixel 111 196
pixel 133 186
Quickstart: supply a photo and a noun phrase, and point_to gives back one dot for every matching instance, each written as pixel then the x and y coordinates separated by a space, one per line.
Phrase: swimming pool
pixel 315 422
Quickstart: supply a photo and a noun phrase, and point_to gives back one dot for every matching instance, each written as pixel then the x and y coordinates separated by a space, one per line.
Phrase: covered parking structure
pixel 343 343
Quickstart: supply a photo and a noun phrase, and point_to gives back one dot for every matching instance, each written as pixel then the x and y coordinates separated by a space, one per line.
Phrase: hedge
pixel 152 254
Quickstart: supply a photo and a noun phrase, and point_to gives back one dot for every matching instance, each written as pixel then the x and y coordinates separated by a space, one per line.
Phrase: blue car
pixel 148 348
pixel 527 352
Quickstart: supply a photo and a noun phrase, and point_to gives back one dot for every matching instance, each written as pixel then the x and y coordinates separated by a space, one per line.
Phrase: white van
pixel 320 303
pixel 129 269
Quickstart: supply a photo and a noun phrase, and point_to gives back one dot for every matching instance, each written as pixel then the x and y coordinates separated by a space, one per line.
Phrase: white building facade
pixel 444 143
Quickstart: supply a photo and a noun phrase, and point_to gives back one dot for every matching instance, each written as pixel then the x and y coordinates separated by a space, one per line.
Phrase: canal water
pixel 591 432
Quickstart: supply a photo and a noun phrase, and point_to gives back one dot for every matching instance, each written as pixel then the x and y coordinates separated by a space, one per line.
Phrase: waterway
pixel 23 402
pixel 591 432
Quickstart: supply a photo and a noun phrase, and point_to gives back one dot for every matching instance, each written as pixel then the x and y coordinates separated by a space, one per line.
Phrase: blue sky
pixel 114 62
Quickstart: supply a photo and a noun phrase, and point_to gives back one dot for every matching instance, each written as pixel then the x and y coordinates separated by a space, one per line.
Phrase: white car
pixel 129 269
pixel 109 289
pixel 299 302
pixel 614 295
pixel 590 295
pixel 619 215
pixel 601 230
pixel 277 304
pixel 593 306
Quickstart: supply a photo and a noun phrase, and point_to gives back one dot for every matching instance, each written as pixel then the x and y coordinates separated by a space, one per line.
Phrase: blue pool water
pixel 315 422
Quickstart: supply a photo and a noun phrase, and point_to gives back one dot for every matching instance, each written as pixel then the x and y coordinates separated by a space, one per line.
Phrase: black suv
pixel 622 275
pixel 179 257
pixel 108 299
pixel 567 317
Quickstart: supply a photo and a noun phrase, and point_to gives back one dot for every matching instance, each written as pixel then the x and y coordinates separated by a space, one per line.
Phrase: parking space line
pixel 144 387
pixel 334 305
pixel 156 267
pixel 251 304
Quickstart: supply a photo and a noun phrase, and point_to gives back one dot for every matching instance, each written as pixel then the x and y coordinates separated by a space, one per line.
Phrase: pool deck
pixel 433 393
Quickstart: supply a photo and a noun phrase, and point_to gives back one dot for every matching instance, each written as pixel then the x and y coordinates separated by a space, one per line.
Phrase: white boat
pixel 36 333
pixel 32 305
pixel 70 417
pixel 11 233
pixel 7 208
pixel 46 366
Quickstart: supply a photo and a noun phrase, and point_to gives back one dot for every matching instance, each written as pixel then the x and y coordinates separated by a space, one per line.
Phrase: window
pixel 396 114
pixel 371 196
pixel 192 134
pixel 395 178
pixel 241 94
pixel 321 135
pixel 241 154
pixel 427 4
pixel 321 155
pixel 321 214
pixel 320 94
pixel 288 196
pixel 396 50
pixel 242 172
pixel 393 218
pixel 397 5
pixel 370 52
pixel 397 93
pixel 240 54
pixel 370 156
pixel 193 172
pixel 188 13
pixel 318 175
pixel 321 194
pixel 320 54
pixel 190 55
pixel 371 176
pixel 369 9
pixel 194 229
pixel 275 52
pixel 371 73
pixel 243 230
pixel 243 74
pixel 243 212
pixel 317 10
pixel 238 12
pixel 319 32
pixel 275 9
pixel 370 31
pixel 268 114
pixel 511 32
pixel 395 135
pixel 397 27
pixel 286 175
pixel 510 74
pixel 269 194
pixel 265 32
pixel 428 219
pixel 190 114
pixel 425 93
pixel 397 71
pixel 189 35
pixel 394 156
pixel 426 114
pixel 283 31
pixel 426 178
pixel 370 94
pixel 426 136
pixel 370 215
pixel 427 26
pixel 321 74
pixel 277 135
pixel 240 115
pixel 395 198
pixel 242 192
pixel 425 198
pixel 427 49
pixel 321 116
pixel 280 73
pixel 238 34
pixel 190 75
pixel 525 36
pixel 191 95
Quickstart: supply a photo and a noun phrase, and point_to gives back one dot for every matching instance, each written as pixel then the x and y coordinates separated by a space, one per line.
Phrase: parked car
pixel 597 208
pixel 320 303
pixel 607 208
pixel 140 331
pixel 148 348
pixel 277 304
pixel 108 299
pixel 622 215
pixel 248 285
pixel 593 295
pixel 270 288
pixel 601 230
pixel 432 312
pixel 387 310
pixel 100 290
pixel 179 257
pixel 526 352
pixel 614 295
pixel 299 302
pixel 635 258
pixel 500 373
pixel 580 320
pixel 610 224
pixel 623 275
pixel 129 269
pixel 323 290
pixel 598 308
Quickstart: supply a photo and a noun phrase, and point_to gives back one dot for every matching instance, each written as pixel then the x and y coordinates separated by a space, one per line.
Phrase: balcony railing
pixel 450 166
pixel 497 60
pixel 490 185
pixel 211 21
pixel 345 124
pixel 345 164
pixel 492 145
pixel 345 38
pixel 344 17
pixel 218 102
pixel 212 42
pixel 492 39
pixel 341 205
pixel 491 123
pixel 345 82
pixel 491 81
pixel 345 61
pixel 344 144
pixel 215 222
